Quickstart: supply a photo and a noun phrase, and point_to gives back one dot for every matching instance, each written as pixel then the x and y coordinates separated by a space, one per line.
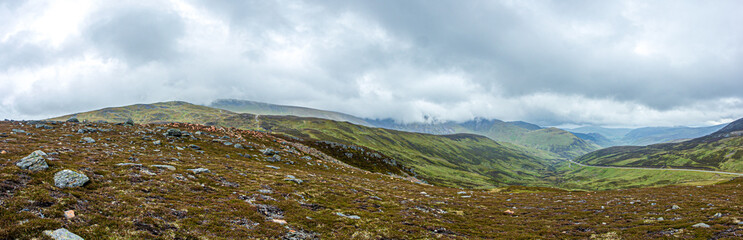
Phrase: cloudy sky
pixel 609 63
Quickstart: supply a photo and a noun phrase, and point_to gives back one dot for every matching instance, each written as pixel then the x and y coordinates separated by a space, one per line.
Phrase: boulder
pixel 701 225
pixel 171 168
pixel 69 179
pixel 89 140
pixel 73 120
pixel 129 122
pixel 35 161
pixel 173 133
pixel 268 152
pixel 62 234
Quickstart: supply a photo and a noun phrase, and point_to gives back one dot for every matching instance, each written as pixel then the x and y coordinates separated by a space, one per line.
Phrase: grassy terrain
pixel 723 154
pixel 259 108
pixel 154 113
pixel 460 160
pixel 242 198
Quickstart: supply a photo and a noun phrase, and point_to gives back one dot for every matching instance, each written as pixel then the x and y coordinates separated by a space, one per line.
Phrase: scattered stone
pixel 227 143
pixel 173 133
pixel 268 152
pixel 701 225
pixel 300 235
pixel 44 126
pixel 129 122
pixel 674 207
pixel 199 170
pixel 69 214
pixel 274 167
pixel 35 161
pixel 265 191
pixel 376 198
pixel 3 152
pixel 89 140
pixel 462 192
pixel 717 215
pixel 18 131
pixel 279 221
pixel 129 164
pixel 62 233
pixel 193 146
pixel 179 148
pixel 347 216
pixel 239 146
pixel 157 142
pixel 661 219
pixel 509 212
pixel 73 120
pixel 171 168
pixel 293 179
pixel 68 179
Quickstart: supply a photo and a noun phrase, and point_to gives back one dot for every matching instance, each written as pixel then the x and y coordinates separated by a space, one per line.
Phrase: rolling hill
pixel 721 150
pixel 642 136
pixel 259 108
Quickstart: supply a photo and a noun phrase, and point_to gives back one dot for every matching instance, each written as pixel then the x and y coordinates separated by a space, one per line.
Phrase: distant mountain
pixel 596 138
pixel 259 108
pixel 645 136
pixel 652 135
pixel 162 112
pixel 609 133
pixel 721 150
pixel 560 144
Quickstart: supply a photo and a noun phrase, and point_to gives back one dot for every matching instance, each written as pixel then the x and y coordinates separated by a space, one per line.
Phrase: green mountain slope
pixel 259 108
pixel 460 160
pixel 174 111
pixel 722 150
pixel 652 135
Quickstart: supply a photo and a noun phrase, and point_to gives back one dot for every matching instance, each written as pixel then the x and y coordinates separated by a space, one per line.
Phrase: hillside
pixel 162 112
pixel 144 183
pixel 722 150
pixel 596 138
pixel 653 135
pixel 259 108
pixel 448 160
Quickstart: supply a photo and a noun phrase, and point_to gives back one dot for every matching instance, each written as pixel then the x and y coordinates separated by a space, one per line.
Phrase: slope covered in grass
pixel 463 160
pixel 722 150
pixel 162 112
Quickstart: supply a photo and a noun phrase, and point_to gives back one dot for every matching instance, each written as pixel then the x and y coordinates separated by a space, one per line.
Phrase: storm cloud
pixel 610 63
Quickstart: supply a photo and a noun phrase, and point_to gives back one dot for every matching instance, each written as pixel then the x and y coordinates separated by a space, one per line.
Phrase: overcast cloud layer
pixel 611 63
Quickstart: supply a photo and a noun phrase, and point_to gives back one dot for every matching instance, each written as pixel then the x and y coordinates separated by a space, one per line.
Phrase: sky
pixel 604 63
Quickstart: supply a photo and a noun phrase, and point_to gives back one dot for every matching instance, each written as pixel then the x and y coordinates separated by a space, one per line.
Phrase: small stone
pixel 89 140
pixel 199 170
pixel 35 161
pixel 274 167
pixel 193 146
pixel 73 120
pixel 227 143
pixel 179 148
pixel 661 219
pixel 701 225
pixel 347 216
pixel 156 142
pixel 129 122
pixel 462 192
pixel 62 234
pixel 674 207
pixel 171 168
pixel 279 221
pixel 129 164
pixel 239 146
pixel 509 212
pixel 69 214
pixel 3 152
pixel 68 178
pixel 268 152
pixel 717 215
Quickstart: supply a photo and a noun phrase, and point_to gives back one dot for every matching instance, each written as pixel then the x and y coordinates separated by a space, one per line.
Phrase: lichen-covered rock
pixel 68 179
pixel 169 167
pixel 173 133
pixel 62 234
pixel 73 120
pixel 36 161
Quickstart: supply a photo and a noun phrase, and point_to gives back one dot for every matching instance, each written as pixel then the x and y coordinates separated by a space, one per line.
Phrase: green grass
pixel 162 112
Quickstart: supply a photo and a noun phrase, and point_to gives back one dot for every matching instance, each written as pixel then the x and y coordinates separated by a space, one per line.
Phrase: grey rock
pixel 347 216
pixel 661 219
pixel 18 130
pixel 674 207
pixel 171 168
pixel 62 234
pixel 68 179
pixel 239 146
pixel 73 120
pixel 157 142
pixel 701 225
pixel 717 215
pixel 227 143
pixel 129 122
pixel 88 140
pixel 199 170
pixel 35 161
pixel 265 191
pixel 300 235
pixel 44 126
pixel 268 152
pixel 193 146
pixel 129 164
pixel 173 133
pixel 274 167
